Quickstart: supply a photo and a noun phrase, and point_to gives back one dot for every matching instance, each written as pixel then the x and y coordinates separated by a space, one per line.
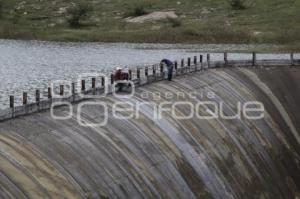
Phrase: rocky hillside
pixel 204 21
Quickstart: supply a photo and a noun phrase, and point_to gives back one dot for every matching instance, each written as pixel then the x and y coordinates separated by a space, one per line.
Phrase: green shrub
pixel 191 32
pixel 237 4
pixel 15 17
pixel 77 14
pixel 136 11
pixel 138 8
pixel 174 22
pixel 139 11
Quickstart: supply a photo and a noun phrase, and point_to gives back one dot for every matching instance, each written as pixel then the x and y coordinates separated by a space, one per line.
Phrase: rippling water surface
pixel 30 65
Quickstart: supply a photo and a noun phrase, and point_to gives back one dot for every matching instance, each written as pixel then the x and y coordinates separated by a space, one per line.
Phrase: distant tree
pixel 237 4
pixel 78 13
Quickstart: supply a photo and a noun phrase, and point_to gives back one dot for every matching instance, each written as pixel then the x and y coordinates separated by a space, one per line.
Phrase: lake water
pixel 30 65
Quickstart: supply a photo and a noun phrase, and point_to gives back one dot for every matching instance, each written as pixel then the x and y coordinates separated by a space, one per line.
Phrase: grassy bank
pixel 199 21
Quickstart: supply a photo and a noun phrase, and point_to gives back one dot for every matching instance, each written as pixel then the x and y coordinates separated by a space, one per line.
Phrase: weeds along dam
pixel 163 158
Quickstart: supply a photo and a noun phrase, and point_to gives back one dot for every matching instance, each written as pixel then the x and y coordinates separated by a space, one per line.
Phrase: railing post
pixel 146 71
pixel 11 101
pixel 226 58
pixel 189 64
pixel 12 105
pixel 130 75
pixel 61 90
pixel 292 59
pixel 49 93
pixel 37 97
pixel 182 66
pixel 201 61
pixel 195 62
pixel 161 70
pixel 253 59
pixel 24 98
pixel 208 60
pixel 83 85
pixel 154 71
pixel 102 81
pixel 73 90
pixel 138 73
pixel 111 79
pixel 93 83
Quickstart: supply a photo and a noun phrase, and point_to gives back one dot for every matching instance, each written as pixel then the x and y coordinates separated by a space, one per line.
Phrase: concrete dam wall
pixel 144 157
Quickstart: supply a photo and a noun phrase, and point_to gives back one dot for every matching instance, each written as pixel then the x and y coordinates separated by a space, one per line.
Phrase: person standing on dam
pixel 122 74
pixel 117 77
pixel 170 66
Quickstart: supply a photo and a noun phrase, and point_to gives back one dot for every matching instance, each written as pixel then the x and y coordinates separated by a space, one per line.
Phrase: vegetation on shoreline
pixel 219 21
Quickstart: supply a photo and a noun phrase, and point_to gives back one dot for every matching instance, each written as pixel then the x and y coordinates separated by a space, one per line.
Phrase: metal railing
pixel 139 75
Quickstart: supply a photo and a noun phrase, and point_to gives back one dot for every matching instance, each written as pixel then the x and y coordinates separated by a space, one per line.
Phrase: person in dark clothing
pixel 117 77
pixel 170 66
pixel 122 74
pixel 118 74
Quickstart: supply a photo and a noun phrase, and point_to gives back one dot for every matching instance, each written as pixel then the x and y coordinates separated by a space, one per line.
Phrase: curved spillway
pixel 145 157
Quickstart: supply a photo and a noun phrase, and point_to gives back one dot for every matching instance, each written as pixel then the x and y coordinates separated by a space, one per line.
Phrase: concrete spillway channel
pixel 144 157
